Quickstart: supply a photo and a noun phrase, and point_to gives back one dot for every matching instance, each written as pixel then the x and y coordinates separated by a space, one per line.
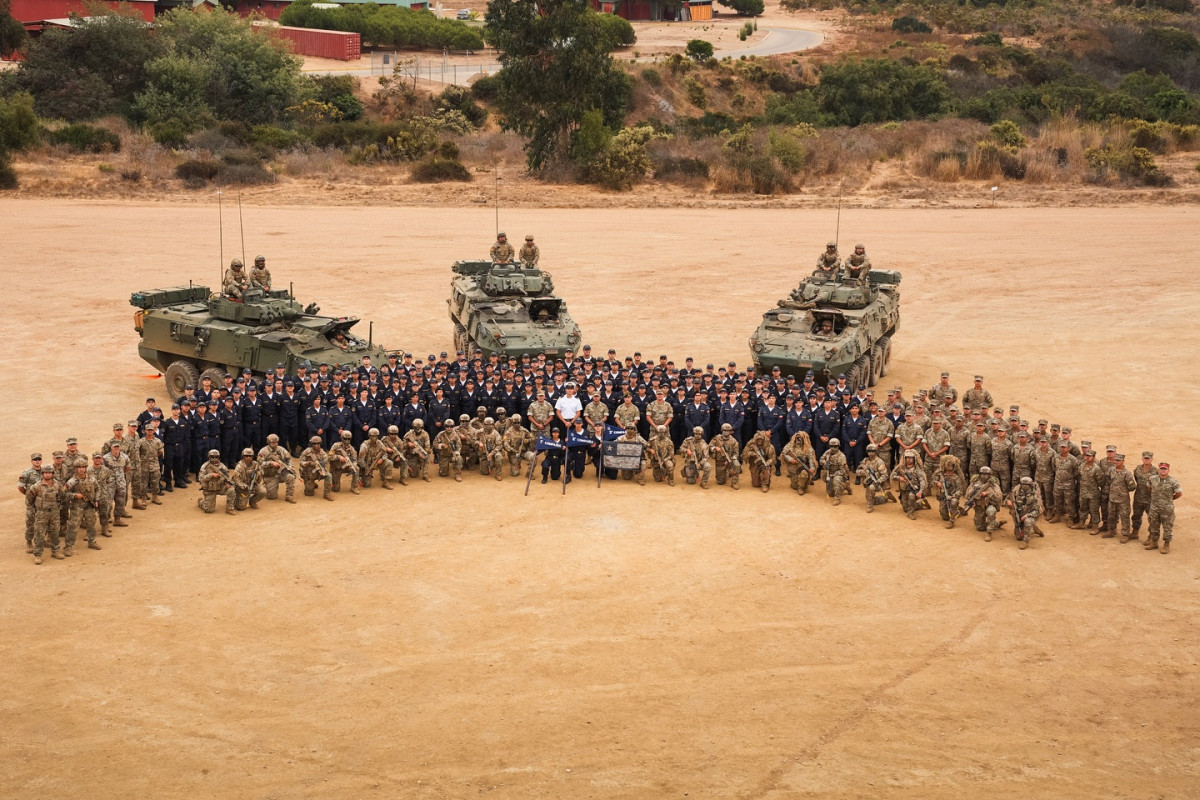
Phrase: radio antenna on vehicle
pixel 496 175
pixel 837 230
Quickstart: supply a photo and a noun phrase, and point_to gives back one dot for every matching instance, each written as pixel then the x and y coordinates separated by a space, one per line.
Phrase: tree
pixel 879 90
pixel 12 32
pixel 745 8
pixel 91 69
pixel 245 75
pixel 556 66
pixel 698 49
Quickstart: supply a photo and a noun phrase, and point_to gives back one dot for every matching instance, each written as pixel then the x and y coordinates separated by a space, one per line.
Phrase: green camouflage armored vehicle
pixel 187 332
pixel 509 310
pixel 832 324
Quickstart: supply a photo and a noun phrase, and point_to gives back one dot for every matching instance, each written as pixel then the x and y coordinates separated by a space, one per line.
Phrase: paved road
pixel 429 67
pixel 776 42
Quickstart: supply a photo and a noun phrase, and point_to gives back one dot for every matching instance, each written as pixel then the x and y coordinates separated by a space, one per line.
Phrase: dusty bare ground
pixel 450 640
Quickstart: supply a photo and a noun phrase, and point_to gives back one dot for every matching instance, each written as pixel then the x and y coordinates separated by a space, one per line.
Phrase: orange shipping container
pixel 339 45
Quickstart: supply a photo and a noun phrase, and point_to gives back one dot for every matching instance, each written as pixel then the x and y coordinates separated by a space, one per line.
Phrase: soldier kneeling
pixel 836 470
pixel 1026 505
pixel 247 479
pixel 343 460
pixel 214 480
pixel 373 456
pixel 874 476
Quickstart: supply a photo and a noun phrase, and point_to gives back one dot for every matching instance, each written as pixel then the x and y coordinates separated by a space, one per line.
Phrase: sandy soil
pixel 449 640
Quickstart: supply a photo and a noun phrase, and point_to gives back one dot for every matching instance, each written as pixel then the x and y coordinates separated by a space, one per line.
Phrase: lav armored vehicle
pixel 832 324
pixel 188 332
pixel 508 310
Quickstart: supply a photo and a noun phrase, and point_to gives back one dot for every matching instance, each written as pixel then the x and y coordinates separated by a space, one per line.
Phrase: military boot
pixel 891 498
pixel 29 546
pixel 139 505
pixel 734 483
pixel 1151 543
pixel 1125 537
pixel 56 554
pixel 1024 544
pixel 987 536
pixel 386 485
pixel 949 524
pixel 1166 547
pixel 117 523
pixel 37 559
pixel 93 546
pixel 68 551
pixel 230 511
pixel 104 530
pixel 289 499
pixel 154 499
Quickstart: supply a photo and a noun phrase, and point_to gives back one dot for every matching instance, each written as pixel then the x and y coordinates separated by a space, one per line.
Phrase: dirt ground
pixel 446 640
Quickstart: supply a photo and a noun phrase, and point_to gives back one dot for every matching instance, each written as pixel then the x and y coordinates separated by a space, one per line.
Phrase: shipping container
pixel 340 45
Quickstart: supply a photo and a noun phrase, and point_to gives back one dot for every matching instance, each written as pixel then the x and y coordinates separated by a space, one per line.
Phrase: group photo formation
pixel 250 437
pixel 600 399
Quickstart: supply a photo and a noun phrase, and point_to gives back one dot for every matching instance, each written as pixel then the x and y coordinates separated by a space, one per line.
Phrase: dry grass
pixel 312 161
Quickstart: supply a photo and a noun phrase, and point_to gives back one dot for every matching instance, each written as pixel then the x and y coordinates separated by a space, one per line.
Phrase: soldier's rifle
pixel 972 497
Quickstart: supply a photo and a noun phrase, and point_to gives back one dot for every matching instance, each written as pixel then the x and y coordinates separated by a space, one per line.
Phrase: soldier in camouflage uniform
pixel 394 452
pixel 977 397
pixel 942 390
pixel 912 482
pixel 1090 479
pixel 909 434
pixel 448 445
pixel 985 496
pixel 935 445
pixel 27 480
pixel 416 444
pixel 133 450
pixel 275 466
pixel 696 463
pixel 247 479
pixel 829 261
pixel 214 480
pixel 627 414
pixel 1023 465
pixel 1141 495
pixel 1164 491
pixel 46 498
pixel 1066 479
pixel 73 458
pixel 371 457
pixel 529 255
pixel 879 433
pixel 595 413
pixel 260 276
pixel 1001 460
pixel 857 264
pixel 517 443
pixel 81 492
pixel 836 471
pixel 235 281
pixel 800 460
pixel 540 413
pixel 150 453
pixel 726 456
pixel 759 457
pixel 659 412
pixel 1120 484
pixel 343 460
pixel 1043 476
pixel 660 452
pixel 873 473
pixel 491 450
pixel 314 466
pixel 979 447
pixel 950 485
pixel 117 461
pixel 502 252
pixel 466 437
pixel 1026 505
pixel 104 479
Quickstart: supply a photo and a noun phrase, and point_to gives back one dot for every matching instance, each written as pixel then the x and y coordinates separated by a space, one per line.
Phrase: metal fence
pixel 438 69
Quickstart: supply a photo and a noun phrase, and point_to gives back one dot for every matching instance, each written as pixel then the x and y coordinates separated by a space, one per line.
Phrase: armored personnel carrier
pixel 832 324
pixel 509 310
pixel 187 332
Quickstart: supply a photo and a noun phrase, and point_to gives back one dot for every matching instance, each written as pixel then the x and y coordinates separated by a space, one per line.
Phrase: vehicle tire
pixel 885 345
pixel 862 371
pixel 179 375
pixel 460 337
pixel 876 365
pixel 216 375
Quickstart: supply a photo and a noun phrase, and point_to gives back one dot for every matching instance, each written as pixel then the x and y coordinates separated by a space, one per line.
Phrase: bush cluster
pixel 386 26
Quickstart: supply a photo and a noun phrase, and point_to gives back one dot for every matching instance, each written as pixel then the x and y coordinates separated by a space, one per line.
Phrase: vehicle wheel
pixel 862 371
pixel 181 374
pixel 215 374
pixel 460 337
pixel 876 365
pixel 885 345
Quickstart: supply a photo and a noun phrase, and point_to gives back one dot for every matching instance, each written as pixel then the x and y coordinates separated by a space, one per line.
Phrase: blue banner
pixel 579 440
pixel 613 432
pixel 546 443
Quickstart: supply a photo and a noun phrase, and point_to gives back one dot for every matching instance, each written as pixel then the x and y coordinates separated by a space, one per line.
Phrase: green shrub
pixel 652 77
pixel 685 168
pixel 273 137
pixel 245 174
pixel 197 170
pixel 745 8
pixel 8 175
pixel 84 138
pixel 131 174
pixel 910 25
pixel 993 156
pixel 401 140
pixel 986 40
pixel 695 92
pixel 1007 134
pixel 1148 135
pixel 624 162
pixel 788 151
pixel 485 88
pixel 241 157
pixel 438 170
pixel 458 98
pixel 698 50
pixel 590 139
pixel 618 30
pixel 169 133
pixel 18 122
pixel 1128 163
